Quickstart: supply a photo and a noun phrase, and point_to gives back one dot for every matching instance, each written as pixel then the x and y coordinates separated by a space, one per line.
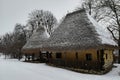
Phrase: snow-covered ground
pixel 11 69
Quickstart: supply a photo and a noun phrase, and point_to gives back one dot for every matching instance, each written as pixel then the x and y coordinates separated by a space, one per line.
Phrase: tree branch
pixel 112 34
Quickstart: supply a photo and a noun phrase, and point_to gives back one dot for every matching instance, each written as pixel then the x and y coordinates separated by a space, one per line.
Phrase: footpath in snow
pixel 11 69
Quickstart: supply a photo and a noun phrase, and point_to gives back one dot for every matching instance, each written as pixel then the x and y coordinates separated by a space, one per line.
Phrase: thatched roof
pixel 39 36
pixel 77 31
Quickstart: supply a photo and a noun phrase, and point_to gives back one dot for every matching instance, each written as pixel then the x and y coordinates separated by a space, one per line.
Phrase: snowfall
pixel 12 69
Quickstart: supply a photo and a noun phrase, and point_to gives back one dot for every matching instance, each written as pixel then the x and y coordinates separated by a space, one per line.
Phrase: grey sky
pixel 16 11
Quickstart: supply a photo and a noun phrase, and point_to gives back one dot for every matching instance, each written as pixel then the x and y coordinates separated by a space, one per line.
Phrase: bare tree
pixel 114 15
pixel 44 18
pixel 91 5
pixel 107 11
pixel 6 43
pixel 11 43
pixel 19 36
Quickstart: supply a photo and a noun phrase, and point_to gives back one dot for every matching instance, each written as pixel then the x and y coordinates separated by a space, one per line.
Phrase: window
pixel 58 55
pixel 76 55
pixel 102 51
pixel 106 56
pixel 50 55
pixel 98 55
pixel 88 57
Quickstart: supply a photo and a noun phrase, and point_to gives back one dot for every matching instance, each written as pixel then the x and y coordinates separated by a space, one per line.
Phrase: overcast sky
pixel 16 11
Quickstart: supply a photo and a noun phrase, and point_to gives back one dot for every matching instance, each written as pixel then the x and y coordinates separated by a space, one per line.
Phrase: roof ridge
pixel 75 12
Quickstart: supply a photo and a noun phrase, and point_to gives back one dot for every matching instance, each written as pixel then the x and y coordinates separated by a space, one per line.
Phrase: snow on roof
pixel 37 38
pixel 77 31
pixel 103 35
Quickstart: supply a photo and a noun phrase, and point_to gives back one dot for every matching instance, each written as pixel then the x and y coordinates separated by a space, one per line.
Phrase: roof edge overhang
pixel 64 49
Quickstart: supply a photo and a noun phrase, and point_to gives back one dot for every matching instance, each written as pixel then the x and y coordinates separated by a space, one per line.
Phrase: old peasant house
pixel 79 44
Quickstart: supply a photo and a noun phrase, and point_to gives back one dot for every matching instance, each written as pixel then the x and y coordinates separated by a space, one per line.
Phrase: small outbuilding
pixel 31 48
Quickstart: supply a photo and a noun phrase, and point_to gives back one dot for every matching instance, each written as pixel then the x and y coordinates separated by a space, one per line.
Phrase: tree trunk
pixel 119 49
pixel 19 55
pixel 119 57
pixel 90 7
pixel 5 56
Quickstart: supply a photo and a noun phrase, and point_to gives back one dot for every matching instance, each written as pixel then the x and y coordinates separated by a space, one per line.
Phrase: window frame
pixel 58 55
pixel 88 57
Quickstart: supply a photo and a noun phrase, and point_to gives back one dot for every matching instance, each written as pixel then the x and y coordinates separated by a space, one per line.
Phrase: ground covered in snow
pixel 11 69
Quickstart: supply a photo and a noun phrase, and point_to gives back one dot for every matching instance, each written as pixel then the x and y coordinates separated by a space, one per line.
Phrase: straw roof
pixel 39 36
pixel 77 31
